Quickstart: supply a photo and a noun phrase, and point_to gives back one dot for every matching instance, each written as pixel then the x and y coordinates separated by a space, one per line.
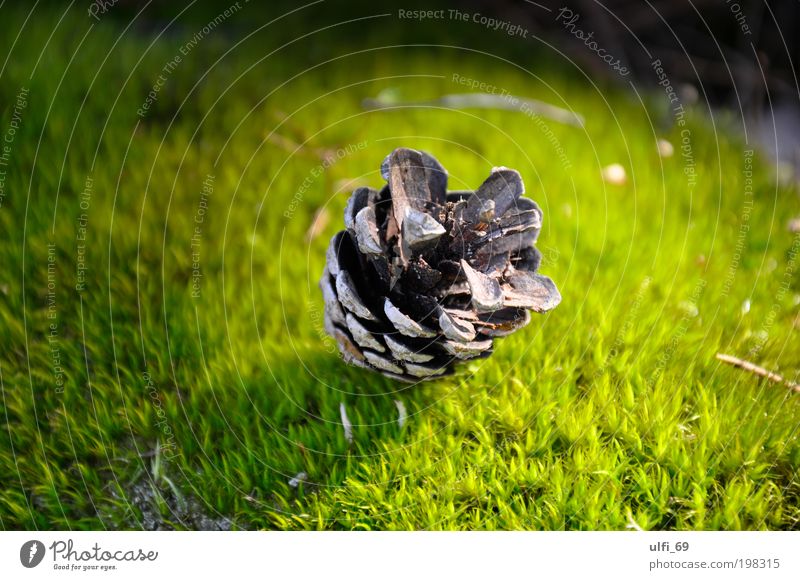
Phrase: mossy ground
pixel 196 411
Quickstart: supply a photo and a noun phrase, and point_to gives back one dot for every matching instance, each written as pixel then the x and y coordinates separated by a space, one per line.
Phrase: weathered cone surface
pixel 422 278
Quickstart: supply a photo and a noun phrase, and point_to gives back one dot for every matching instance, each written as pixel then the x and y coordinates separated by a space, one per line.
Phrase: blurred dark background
pixel 734 56
pixel 728 46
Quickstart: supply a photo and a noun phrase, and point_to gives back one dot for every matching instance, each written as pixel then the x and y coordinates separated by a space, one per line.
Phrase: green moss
pixel 607 411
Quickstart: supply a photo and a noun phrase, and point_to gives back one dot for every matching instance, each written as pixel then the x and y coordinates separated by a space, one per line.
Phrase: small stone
pixel 298 479
pixel 689 94
pixel 615 174
pixel 665 148
pixel 689 308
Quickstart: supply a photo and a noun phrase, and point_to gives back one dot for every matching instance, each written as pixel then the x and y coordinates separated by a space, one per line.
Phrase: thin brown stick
pixel 483 101
pixel 757 370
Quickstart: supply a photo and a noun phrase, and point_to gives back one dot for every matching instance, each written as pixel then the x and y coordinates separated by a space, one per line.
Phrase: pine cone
pixel 422 278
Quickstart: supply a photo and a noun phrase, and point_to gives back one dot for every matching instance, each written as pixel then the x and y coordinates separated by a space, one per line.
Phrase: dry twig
pixel 757 370
pixel 483 101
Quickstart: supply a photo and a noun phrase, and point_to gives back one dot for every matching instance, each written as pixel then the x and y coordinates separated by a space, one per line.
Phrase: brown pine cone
pixel 422 278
